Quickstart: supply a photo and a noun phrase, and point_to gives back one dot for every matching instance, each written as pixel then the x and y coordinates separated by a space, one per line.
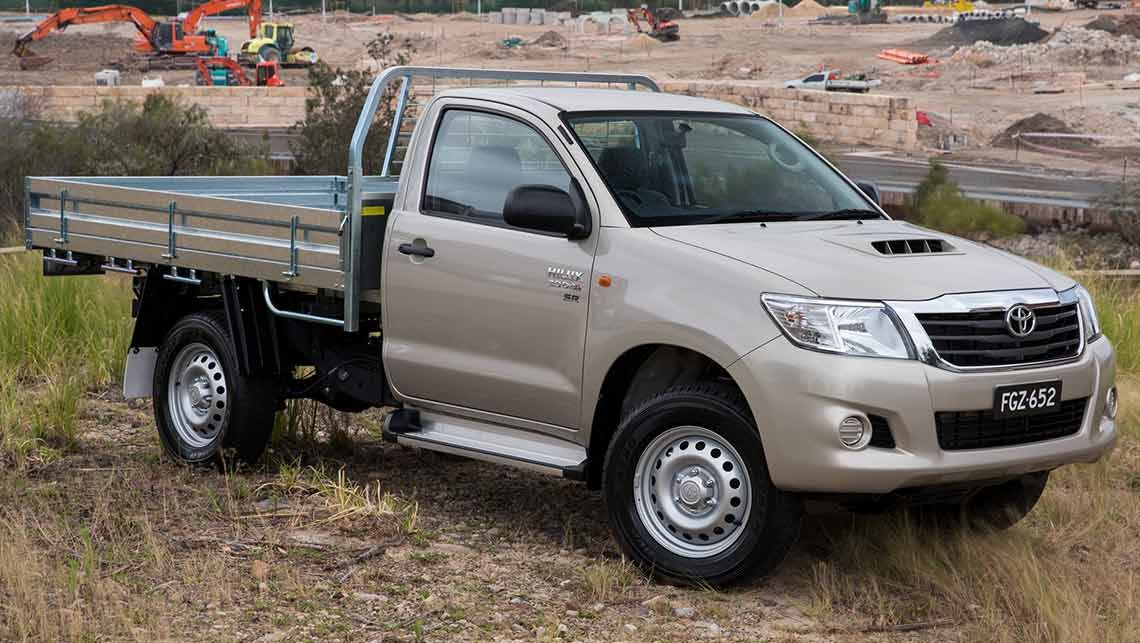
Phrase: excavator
pixel 167 38
pixel 663 30
pixel 224 71
pixel 175 38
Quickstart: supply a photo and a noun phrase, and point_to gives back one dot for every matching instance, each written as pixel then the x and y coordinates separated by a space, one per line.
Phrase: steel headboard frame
pixel 350 246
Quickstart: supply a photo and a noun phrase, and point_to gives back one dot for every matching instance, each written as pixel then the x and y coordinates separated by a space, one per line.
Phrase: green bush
pixel 938 203
pixel 161 137
pixel 1122 205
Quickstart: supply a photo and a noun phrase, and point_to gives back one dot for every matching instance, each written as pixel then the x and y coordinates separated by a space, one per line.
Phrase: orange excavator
pixel 663 30
pixel 173 38
pixel 224 71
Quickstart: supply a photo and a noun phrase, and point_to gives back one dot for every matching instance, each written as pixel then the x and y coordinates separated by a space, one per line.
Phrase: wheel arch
pixel 636 374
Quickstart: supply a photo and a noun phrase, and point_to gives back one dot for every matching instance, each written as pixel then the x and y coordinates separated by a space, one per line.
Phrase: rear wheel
pixel 202 404
pixel 688 492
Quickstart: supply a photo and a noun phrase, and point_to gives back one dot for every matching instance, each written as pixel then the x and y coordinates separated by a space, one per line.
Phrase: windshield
pixel 680 169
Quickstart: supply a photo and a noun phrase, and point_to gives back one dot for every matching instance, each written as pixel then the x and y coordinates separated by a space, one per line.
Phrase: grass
pixel 59 337
pixel 100 539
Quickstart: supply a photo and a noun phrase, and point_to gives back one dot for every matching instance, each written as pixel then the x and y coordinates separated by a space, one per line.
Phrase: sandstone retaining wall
pixel 831 117
pixel 226 106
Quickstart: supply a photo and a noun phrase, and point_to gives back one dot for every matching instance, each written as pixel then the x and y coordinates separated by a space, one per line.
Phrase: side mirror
pixel 546 208
pixel 871 190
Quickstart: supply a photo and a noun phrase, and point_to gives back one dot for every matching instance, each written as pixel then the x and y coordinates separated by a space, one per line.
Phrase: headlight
pixel 1088 312
pixel 850 327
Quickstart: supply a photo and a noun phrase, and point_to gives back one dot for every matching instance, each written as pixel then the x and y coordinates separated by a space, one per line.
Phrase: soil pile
pixel 806 9
pixel 551 39
pixel 93 50
pixel 1040 123
pixel 1128 25
pixel 999 32
pixel 1069 46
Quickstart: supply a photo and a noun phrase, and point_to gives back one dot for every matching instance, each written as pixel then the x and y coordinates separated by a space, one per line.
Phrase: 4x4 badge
pixel 1020 320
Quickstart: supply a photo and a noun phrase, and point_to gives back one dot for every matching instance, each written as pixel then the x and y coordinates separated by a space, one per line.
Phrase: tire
pixel 998 507
pixel 708 446
pixel 269 53
pixel 221 409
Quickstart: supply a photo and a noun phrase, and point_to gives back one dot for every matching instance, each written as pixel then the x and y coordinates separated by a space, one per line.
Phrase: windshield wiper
pixel 750 215
pixel 844 214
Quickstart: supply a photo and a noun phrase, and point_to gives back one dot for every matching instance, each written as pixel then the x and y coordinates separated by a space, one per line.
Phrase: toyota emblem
pixel 1020 320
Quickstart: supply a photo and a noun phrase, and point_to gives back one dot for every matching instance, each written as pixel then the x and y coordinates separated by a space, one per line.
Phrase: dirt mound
pixel 643 40
pixel 73 51
pixel 1128 25
pixel 1040 123
pixel 551 39
pixel 668 13
pixel 806 9
pixel 999 32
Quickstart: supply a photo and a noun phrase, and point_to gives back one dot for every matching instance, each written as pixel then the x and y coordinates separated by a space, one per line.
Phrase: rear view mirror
pixel 545 208
pixel 871 190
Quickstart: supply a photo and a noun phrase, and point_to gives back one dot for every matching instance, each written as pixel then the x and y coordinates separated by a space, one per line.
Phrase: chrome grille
pixel 976 339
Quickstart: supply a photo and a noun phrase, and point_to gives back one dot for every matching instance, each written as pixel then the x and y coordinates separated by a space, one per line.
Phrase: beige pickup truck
pixel 672 299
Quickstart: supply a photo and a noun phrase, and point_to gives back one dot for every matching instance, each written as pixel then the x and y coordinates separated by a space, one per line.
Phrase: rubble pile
pixel 1068 46
pixel 998 32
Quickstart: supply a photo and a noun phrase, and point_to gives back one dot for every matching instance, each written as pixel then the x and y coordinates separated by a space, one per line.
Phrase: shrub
pixel 161 137
pixel 1122 206
pixel 939 204
pixel 331 114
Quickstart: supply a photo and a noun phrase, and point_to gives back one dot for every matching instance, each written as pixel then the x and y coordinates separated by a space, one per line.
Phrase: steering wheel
pixel 630 194
pixel 790 162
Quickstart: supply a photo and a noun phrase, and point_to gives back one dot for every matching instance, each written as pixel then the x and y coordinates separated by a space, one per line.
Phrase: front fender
pixel 663 292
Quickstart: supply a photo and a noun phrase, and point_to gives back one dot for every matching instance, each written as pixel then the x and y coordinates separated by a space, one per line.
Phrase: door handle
pixel 419 251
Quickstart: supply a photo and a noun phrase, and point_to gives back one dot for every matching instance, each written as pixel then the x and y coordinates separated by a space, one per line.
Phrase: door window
pixel 478 158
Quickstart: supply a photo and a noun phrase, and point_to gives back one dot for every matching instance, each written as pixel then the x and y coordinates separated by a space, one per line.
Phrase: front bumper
pixel 799 397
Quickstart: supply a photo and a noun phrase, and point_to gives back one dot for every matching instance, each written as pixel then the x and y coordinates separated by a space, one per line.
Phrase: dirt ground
pixel 966 93
pixel 443 549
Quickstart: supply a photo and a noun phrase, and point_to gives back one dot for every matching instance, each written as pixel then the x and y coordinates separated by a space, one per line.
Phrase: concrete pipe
pixel 731 7
pixel 746 8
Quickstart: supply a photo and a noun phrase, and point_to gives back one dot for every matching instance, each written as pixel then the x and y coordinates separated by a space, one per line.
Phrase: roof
pixel 582 99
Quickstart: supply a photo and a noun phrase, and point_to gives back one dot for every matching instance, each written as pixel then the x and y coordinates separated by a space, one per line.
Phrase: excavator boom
pixel 214 7
pixel 64 18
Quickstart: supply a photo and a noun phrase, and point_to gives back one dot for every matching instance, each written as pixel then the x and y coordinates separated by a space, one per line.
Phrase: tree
pixel 331 113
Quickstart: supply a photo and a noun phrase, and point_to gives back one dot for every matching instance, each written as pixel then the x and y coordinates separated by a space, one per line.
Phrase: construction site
pixel 974 74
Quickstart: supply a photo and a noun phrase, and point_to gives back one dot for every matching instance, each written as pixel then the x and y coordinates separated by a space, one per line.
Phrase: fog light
pixel 1110 403
pixel 854 432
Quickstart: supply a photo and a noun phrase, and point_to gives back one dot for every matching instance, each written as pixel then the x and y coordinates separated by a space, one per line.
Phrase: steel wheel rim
pixel 197 395
pixel 692 492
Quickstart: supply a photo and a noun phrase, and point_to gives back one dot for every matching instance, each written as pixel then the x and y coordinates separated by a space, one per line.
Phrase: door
pixel 481 315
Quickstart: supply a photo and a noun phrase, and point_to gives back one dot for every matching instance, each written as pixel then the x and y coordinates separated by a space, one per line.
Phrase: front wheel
pixel 688 491
pixel 202 404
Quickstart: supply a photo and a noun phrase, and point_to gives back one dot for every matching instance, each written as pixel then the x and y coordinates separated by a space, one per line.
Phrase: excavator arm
pixel 64 18
pixel 214 7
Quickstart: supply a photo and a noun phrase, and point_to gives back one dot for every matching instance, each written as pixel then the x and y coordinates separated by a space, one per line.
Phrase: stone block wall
pixel 226 106
pixel 830 117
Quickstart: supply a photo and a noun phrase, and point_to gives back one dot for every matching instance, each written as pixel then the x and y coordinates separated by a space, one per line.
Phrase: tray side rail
pixel 270 242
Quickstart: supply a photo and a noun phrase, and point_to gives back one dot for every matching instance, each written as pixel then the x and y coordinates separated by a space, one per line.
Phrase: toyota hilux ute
pixel 671 299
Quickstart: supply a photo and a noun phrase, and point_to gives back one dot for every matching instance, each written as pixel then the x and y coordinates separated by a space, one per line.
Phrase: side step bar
pixel 485 441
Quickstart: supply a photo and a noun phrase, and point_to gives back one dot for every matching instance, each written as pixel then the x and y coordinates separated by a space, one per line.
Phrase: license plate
pixel 1026 399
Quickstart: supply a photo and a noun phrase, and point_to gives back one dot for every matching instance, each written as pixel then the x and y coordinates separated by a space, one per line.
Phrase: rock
pixel 562 628
pixel 630 627
pixel 272 504
pixel 656 602
pixel 684 612
pixel 369 597
pixel 708 629
pixel 1134 265
pixel 597 607
pixel 453 548
pixel 517 601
